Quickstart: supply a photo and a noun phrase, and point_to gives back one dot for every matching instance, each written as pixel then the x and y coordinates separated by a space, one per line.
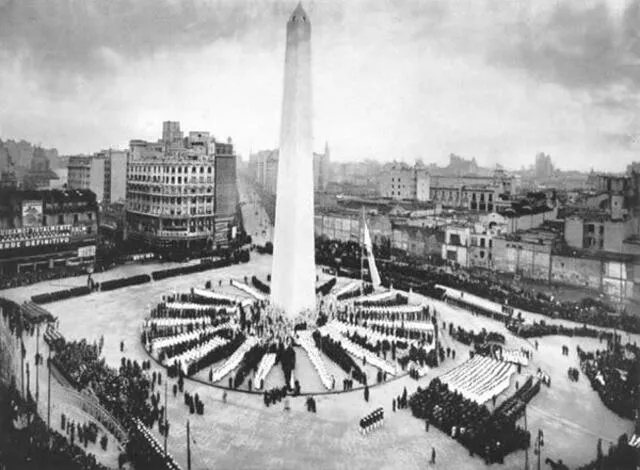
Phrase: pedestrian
pixel 393 405
pixel 433 455
pixel 426 425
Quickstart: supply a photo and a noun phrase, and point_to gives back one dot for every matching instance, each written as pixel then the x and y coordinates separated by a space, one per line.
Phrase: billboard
pixel 87 251
pixel 31 213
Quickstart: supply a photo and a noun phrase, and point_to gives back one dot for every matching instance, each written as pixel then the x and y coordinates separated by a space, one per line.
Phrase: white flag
pixel 373 270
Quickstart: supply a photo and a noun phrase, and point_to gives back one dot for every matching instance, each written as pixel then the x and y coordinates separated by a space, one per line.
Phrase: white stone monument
pixel 293 274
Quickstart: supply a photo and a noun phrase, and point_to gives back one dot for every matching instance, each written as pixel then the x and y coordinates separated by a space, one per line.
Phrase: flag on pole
pixel 373 270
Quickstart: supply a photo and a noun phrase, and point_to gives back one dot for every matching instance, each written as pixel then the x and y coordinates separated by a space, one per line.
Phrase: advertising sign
pixel 87 251
pixel 31 213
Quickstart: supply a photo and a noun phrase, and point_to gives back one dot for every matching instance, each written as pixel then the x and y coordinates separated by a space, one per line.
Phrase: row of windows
pixel 173 200
pixel 156 210
pixel 166 190
pixel 170 169
pixel 172 179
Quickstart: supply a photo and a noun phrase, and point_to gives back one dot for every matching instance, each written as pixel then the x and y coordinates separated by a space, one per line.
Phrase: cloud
pixel 497 80
pixel 58 40
pixel 579 47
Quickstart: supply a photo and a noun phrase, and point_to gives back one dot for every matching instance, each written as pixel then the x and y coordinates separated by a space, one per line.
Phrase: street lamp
pixel 539 444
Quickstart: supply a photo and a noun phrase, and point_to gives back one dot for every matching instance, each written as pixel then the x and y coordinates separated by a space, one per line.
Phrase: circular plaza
pixel 237 428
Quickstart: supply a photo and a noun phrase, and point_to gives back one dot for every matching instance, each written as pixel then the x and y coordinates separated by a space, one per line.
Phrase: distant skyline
pixel 498 81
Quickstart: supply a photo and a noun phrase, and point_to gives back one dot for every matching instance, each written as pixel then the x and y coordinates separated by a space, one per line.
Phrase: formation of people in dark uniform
pixel 491 436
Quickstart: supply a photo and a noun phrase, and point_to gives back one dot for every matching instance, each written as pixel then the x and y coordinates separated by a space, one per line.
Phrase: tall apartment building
pixel 400 181
pixel 87 172
pixel 181 198
pixel 226 193
pixel 104 173
pixel 171 136
pixel 263 168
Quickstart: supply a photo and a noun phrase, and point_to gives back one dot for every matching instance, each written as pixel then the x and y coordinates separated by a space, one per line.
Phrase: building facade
pixel 416 243
pixel 226 193
pixel 104 173
pixel 455 246
pixel 41 230
pixel 263 168
pixel 400 181
pixel 87 172
pixel 177 197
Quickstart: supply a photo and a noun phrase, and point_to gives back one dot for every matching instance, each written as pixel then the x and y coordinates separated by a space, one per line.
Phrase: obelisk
pixel 293 274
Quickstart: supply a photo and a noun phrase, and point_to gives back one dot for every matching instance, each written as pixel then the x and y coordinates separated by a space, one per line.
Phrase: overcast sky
pixel 499 80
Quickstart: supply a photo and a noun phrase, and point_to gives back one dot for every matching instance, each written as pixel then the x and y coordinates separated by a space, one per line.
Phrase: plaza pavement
pixel 243 433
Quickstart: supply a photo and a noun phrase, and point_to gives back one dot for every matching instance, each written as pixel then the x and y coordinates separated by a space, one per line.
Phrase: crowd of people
pixel 491 436
pixel 25 278
pixel 621 455
pixel 588 311
pixel 275 395
pixel 614 373
pixel 335 351
pixel 31 445
pixel 87 432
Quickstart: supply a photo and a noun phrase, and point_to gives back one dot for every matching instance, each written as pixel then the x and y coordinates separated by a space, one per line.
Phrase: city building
pixel 226 193
pixel 263 168
pixel 40 174
pixel 504 182
pixel 346 225
pixel 526 253
pixel 104 173
pixel 172 139
pixel 476 198
pixel 322 169
pixel 172 190
pixel 456 243
pixel 87 172
pixel 598 231
pixel 400 181
pixel 363 174
pixel 45 229
pixel 543 167
pixel 416 243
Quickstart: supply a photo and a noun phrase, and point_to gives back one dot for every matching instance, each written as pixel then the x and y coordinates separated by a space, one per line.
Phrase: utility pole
pixel 49 391
pixel 37 364
pixel 22 353
pixel 166 417
pixel 188 447
pixel 526 455
pixel 539 445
